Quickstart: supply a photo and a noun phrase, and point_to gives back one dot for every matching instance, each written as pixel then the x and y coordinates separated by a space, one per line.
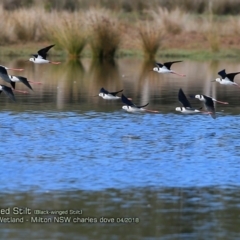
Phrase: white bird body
pixel 187 110
pixel 166 68
pixel 225 81
pixel 14 78
pixel 41 56
pixel 108 96
pixel 162 70
pixel 133 109
pixel 39 60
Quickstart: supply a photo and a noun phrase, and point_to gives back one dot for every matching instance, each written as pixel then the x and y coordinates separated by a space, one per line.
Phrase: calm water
pixel 167 175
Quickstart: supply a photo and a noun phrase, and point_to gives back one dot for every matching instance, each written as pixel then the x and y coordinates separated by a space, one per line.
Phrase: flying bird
pixel 8 91
pixel 226 79
pixel 187 108
pixel 15 79
pixel 4 75
pixel 109 95
pixel 131 107
pixel 41 56
pixel 208 102
pixel 166 68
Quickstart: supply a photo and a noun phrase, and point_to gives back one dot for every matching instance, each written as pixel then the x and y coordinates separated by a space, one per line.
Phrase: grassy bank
pixel 25 51
pixel 101 33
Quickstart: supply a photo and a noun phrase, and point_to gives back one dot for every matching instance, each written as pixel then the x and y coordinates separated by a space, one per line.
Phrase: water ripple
pixel 95 150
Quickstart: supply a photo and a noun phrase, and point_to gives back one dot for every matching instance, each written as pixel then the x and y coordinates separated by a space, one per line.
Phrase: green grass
pixel 24 51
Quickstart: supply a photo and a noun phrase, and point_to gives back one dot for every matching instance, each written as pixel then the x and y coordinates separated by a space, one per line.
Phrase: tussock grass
pixel 27 24
pixel 174 21
pixel 7 29
pixel 150 36
pixel 21 25
pixel 105 33
pixel 68 30
pixel 212 32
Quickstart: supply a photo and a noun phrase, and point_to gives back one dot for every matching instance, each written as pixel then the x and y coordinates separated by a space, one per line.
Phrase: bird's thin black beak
pixel 213 81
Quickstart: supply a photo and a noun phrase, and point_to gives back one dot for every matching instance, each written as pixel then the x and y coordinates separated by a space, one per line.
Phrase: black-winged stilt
pixel 41 57
pixel 208 102
pixel 109 95
pixel 165 68
pixel 24 80
pixel 8 91
pixel 227 78
pixel 4 75
pixel 131 107
pixel 187 108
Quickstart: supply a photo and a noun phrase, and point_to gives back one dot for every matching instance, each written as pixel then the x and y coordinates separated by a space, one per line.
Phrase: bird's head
pixel 218 79
pixel 200 97
pixel 155 69
pixel 101 94
pixel 31 59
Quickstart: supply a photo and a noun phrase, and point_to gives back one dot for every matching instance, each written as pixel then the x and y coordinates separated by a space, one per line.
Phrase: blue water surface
pixel 100 150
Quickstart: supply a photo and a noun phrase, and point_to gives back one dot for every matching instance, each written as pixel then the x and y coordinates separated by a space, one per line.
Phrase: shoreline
pixel 27 49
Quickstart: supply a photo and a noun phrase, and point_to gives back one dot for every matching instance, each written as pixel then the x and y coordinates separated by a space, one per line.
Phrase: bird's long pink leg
pixel 152 111
pixel 181 75
pixel 55 62
pixel 219 101
pixel 15 69
pixel 25 92
pixel 34 82
pixel 203 112
pixel 236 85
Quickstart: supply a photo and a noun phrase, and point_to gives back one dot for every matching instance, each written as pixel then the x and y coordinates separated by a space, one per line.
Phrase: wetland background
pixel 63 148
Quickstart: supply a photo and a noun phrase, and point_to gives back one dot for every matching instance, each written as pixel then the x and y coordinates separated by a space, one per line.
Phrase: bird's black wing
pixel 142 106
pixel 159 64
pixel 102 90
pixel 182 99
pixel 115 93
pixel 4 74
pixel 209 104
pixel 43 52
pixel 222 73
pixel 231 76
pixel 24 81
pixel 8 91
pixel 169 64
pixel 126 101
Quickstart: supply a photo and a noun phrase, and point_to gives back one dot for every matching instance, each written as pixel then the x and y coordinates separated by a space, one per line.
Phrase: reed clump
pixel 6 26
pixel 68 30
pixel 27 24
pixel 150 36
pixel 212 36
pixel 105 33
pixel 174 21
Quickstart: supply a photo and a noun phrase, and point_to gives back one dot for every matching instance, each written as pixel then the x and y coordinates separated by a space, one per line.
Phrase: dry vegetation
pixel 74 26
